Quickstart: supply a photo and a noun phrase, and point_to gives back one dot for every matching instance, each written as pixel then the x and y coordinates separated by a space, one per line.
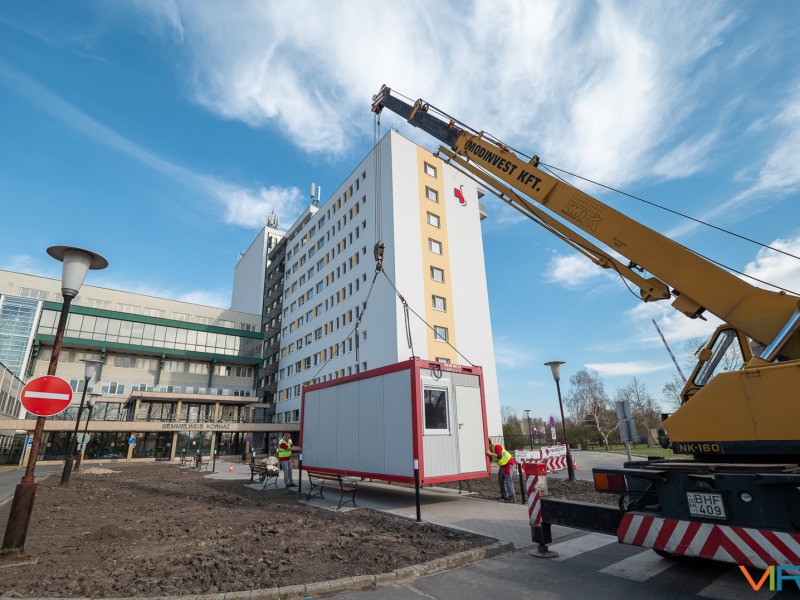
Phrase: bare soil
pixel 158 530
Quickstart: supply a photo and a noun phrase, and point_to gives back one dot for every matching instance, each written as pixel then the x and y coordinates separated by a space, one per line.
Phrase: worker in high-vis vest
pixel 285 459
pixel 505 477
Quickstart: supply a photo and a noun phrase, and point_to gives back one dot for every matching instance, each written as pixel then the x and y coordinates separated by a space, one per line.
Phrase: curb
pixel 346 584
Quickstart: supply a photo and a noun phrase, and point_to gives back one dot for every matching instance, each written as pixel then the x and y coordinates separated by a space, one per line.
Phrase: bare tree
pixel 588 402
pixel 646 413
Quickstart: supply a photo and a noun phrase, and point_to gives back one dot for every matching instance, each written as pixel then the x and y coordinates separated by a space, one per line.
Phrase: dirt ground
pixel 158 530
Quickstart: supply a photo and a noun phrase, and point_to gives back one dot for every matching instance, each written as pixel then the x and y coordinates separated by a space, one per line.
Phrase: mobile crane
pixel 736 496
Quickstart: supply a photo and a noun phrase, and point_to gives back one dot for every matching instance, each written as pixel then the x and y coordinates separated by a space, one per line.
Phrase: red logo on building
pixel 460 195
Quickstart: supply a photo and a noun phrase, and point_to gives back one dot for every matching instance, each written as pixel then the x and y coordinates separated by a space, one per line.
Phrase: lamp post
pixel 76 264
pixel 91 402
pixel 527 412
pixel 555 367
pixel 89 370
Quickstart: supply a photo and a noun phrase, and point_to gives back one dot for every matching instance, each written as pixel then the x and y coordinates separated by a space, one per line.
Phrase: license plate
pixel 703 504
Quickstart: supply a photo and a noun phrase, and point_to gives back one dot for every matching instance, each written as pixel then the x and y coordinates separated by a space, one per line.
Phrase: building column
pixel 130 447
pixel 174 443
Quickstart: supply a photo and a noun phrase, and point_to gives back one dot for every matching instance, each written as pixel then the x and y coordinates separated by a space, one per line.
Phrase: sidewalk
pixel 440 506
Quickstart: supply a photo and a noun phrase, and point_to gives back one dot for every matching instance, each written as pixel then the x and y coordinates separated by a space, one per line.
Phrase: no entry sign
pixel 46 396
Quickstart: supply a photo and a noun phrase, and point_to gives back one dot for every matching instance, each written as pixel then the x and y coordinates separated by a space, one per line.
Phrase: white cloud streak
pixel 627 369
pixel 246 207
pixel 771 178
pixel 599 87
pixel 574 271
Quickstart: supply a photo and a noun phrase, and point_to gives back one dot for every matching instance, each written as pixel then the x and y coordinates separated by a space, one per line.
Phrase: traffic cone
pixel 231 469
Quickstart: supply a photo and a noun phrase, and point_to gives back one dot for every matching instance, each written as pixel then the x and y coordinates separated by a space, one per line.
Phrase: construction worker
pixel 504 472
pixel 285 459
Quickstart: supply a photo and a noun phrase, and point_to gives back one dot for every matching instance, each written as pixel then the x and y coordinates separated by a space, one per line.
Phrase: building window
pixel 439 303
pixel 129 308
pixel 154 312
pixel 430 170
pixel 433 220
pixel 122 362
pixel 435 414
pixel 431 194
pixel 173 366
pixel 441 359
pixel 434 246
pixel 439 333
pixel 29 293
pixel 112 387
pixel 198 368
pixel 437 274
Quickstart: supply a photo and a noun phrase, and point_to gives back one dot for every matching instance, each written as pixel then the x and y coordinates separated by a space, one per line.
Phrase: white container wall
pixel 376 423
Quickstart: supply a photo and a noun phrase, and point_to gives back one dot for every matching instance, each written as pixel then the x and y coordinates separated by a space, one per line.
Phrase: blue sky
pixel 161 133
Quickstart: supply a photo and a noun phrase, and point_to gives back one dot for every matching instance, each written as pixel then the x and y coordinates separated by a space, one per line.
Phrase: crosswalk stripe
pixel 639 567
pixel 586 543
pixel 732 584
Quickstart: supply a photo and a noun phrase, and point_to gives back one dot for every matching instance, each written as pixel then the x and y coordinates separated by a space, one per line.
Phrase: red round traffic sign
pixel 46 396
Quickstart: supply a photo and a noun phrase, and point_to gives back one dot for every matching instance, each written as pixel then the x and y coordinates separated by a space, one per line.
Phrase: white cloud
pixel 24 263
pixel 772 177
pixel 596 87
pixel 574 271
pixel 676 327
pixel 246 207
pixel 778 268
pixel 509 355
pixel 629 369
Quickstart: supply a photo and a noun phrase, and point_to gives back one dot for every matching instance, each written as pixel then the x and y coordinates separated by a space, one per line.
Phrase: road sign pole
pixel 22 506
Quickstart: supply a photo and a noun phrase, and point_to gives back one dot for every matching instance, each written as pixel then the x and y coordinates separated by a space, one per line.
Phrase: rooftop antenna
pixel 272 219
pixel 315 193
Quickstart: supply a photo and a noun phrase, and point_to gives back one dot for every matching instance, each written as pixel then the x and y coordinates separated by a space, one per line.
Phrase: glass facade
pixel 17 321
pixel 103 329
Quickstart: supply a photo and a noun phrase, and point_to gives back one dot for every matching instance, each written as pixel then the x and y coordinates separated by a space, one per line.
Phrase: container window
pixel 436 417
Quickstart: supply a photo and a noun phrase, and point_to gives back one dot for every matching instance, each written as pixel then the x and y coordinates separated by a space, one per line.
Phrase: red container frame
pixel 414 365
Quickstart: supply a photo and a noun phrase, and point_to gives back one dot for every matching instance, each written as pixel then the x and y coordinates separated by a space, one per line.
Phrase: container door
pixel 471 438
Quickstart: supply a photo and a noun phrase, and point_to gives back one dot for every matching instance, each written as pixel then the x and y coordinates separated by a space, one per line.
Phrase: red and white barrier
pixel 532 487
pixel 738 545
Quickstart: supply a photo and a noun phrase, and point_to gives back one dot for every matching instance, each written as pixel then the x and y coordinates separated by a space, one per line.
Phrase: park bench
pixel 199 463
pixel 333 481
pixel 267 474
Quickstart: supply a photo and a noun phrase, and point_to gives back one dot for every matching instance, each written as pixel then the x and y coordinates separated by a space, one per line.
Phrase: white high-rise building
pixel 248 275
pixel 428 217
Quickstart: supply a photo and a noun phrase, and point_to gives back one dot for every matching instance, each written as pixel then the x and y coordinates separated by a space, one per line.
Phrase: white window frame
pixel 430 170
pixel 446 430
pixel 434 220
pixel 440 306
pixel 434 271
pixel 435 246
pixel 437 335
pixel 431 194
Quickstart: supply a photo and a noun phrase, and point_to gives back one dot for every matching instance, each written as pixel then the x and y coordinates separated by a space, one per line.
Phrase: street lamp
pixel 89 370
pixel 76 264
pixel 555 367
pixel 527 412
pixel 91 402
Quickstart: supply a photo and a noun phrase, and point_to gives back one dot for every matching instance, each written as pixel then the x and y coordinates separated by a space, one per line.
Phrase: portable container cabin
pixel 377 423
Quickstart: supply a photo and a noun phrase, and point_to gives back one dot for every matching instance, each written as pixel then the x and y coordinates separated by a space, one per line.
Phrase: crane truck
pixel 734 495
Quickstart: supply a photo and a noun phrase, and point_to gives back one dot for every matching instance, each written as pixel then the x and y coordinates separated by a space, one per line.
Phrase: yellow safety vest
pixel 285 453
pixel 504 458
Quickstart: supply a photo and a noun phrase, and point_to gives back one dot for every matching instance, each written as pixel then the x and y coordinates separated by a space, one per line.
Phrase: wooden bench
pixel 267 474
pixel 199 463
pixel 333 481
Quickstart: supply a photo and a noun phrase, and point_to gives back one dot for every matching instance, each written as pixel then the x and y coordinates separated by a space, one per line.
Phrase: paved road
pixel 11 476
